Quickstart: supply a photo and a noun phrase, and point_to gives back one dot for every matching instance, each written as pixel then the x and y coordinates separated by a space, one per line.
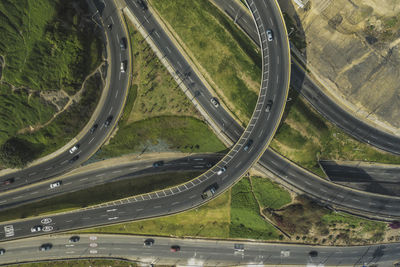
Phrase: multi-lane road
pixel 196 252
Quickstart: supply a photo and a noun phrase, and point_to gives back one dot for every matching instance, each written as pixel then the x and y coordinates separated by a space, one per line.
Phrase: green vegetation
pixel 171 133
pixel 230 60
pixel 209 220
pixel 246 221
pixel 269 194
pixel 98 194
pixel 79 263
pixel 44 53
pixel 47 50
pixel 305 137
pixel 308 221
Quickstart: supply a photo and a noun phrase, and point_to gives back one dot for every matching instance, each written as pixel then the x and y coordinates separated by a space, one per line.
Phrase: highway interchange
pixel 185 196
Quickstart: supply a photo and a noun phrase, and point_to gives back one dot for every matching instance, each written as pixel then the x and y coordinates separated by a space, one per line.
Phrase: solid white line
pixel 91 140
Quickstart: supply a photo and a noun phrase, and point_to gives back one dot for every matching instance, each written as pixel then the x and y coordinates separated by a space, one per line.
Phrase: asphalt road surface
pixel 87 179
pixel 196 252
pixel 113 105
pixel 327 107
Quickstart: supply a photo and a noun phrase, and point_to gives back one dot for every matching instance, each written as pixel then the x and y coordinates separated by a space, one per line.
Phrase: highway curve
pixel 324 104
pixel 112 106
pixel 262 126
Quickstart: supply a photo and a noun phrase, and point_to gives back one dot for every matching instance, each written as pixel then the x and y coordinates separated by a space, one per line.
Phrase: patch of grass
pixel 173 133
pixel 19 108
pixel 231 61
pixel 209 220
pixel 246 221
pixel 79 263
pixel 157 92
pixel 47 50
pixel 305 137
pixel 269 194
pixel 98 194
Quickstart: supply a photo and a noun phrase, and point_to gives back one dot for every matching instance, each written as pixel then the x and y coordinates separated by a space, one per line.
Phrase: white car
pixel 269 35
pixel 221 171
pixel 123 66
pixel 36 228
pixel 55 184
pixel 74 149
pixel 215 102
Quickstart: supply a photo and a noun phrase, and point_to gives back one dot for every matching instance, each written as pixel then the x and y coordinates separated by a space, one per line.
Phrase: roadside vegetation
pixel 45 57
pixel 157 115
pixel 257 208
pixel 98 194
pixel 229 62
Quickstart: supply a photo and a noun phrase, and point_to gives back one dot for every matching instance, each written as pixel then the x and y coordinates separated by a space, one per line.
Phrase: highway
pixel 323 103
pixel 112 106
pixel 83 178
pixel 196 252
pixel 188 195
pixel 323 191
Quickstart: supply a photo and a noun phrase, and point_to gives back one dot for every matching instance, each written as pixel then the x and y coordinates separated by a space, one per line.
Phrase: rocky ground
pixel 354 47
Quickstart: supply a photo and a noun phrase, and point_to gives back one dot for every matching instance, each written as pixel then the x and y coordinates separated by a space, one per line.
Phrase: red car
pixel 175 248
pixel 8 181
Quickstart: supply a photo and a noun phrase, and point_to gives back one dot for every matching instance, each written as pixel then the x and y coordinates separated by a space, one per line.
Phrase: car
pixel 74 239
pixel 148 242
pixel 221 171
pixel 175 248
pixel 268 106
pixel 158 164
pixel 36 228
pixel 209 191
pixel 55 184
pixel 9 181
pixel 269 35
pixel 74 149
pixel 109 26
pixel 248 145
pixel 2 251
pixel 142 4
pixel 215 102
pixel 123 66
pixel 313 253
pixel 108 121
pixel 75 158
pixel 94 128
pixel 45 247
pixel 123 43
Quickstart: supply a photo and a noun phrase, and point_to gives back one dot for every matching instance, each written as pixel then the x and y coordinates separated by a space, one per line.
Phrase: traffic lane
pixel 328 193
pixel 61 164
pixel 96 177
pixel 184 70
pixel 111 245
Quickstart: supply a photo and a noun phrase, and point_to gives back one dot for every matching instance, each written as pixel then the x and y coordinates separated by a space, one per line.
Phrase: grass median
pixel 98 194
pixel 79 263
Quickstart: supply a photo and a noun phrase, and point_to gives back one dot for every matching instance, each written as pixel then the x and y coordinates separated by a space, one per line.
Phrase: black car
pixel 158 164
pixel 75 158
pixel 108 121
pixel 142 4
pixel 2 251
pixel 9 181
pixel 74 239
pixel 148 242
pixel 45 247
pixel 248 145
pixel 94 128
pixel 313 253
pixel 123 43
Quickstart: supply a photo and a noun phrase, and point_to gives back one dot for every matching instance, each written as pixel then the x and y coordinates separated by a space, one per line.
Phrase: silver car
pixel 270 37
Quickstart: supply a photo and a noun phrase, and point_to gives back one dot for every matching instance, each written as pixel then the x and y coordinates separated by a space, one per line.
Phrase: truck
pixel 209 191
